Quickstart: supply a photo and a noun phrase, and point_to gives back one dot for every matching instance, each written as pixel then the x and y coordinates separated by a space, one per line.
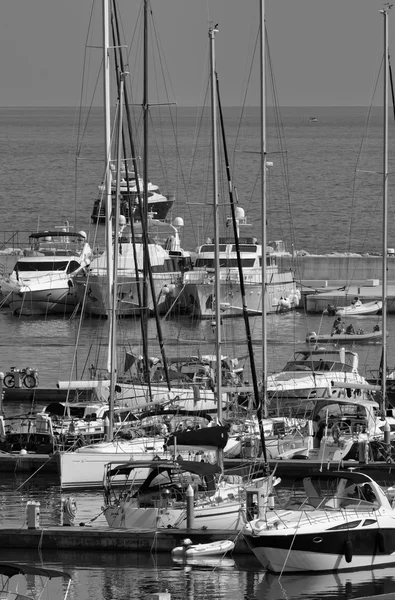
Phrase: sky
pixel 323 52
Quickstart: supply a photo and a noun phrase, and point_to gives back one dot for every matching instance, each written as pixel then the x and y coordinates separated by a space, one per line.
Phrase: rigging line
pixel 282 142
pixel 359 159
pixel 244 100
pixel 130 129
pixel 391 85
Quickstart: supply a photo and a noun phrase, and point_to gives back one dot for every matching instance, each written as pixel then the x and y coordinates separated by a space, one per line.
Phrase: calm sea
pixel 327 206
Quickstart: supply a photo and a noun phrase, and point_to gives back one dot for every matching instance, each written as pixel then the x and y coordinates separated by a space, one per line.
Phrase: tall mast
pixel 385 210
pixel 263 200
pixel 107 177
pixel 218 340
pixel 144 204
pixel 114 288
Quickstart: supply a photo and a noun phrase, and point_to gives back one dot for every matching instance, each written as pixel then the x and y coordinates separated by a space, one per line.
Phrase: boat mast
pixel 108 204
pixel 218 340
pixel 385 12
pixel 114 289
pixel 144 204
pixel 263 404
pixel 107 149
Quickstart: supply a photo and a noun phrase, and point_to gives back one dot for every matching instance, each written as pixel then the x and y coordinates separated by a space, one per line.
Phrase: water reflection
pixel 330 586
pixel 120 575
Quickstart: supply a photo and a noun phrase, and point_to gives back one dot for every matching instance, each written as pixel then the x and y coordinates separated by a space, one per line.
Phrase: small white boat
pixel 344 338
pixel 361 309
pixel 211 549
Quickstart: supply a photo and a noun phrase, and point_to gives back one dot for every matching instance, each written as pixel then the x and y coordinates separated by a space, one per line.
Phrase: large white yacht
pixel 199 284
pixel 42 279
pixel 168 263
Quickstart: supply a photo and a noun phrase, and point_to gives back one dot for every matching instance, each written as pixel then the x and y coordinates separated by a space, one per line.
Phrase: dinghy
pixel 188 549
pixel 344 338
pixel 359 310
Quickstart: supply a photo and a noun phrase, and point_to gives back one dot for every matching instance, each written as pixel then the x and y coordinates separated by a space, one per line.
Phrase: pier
pixel 315 298
pixel 106 539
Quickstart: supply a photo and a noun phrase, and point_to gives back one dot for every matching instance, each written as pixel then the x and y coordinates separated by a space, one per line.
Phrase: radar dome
pixel 178 222
pixel 239 212
pixel 122 220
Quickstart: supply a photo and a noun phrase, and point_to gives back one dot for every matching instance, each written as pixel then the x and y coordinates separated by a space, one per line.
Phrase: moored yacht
pixel 311 374
pixel 199 294
pixel 158 204
pixel 333 521
pixel 42 280
pixel 168 263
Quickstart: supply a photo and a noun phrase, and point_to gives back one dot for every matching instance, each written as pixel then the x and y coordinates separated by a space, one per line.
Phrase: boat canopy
pixel 10 569
pixel 213 437
pixel 202 469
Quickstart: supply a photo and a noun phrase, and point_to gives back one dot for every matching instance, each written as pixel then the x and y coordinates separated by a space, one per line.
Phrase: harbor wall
pixel 336 267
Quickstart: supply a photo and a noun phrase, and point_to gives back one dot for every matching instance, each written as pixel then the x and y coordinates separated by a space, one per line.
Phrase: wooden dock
pixel 315 298
pixel 106 538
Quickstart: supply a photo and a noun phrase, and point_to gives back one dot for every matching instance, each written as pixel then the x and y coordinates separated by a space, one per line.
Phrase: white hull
pixel 42 279
pixel 214 515
pixel 367 308
pixel 44 301
pixel 93 292
pixel 199 294
pixel 291 561
pixel 85 468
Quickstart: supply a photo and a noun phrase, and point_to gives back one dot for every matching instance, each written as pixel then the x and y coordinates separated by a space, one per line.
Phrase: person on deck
pixel 356 302
pixel 338 326
pixel 331 310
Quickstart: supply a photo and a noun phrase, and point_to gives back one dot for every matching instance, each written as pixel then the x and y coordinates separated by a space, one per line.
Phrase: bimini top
pixel 10 569
pixel 197 468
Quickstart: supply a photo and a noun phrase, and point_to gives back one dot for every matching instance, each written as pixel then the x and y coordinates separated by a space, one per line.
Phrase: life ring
pixel 348 551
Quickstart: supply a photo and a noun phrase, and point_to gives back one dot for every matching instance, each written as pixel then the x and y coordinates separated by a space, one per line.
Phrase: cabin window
pixel 73 266
pixel 245 248
pixel 210 248
pixel 159 268
pixel 269 261
pixel 207 263
pixel 348 525
pixel 43 266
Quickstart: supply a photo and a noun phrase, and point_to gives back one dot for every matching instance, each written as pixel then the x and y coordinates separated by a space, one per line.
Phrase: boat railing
pixel 13 240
